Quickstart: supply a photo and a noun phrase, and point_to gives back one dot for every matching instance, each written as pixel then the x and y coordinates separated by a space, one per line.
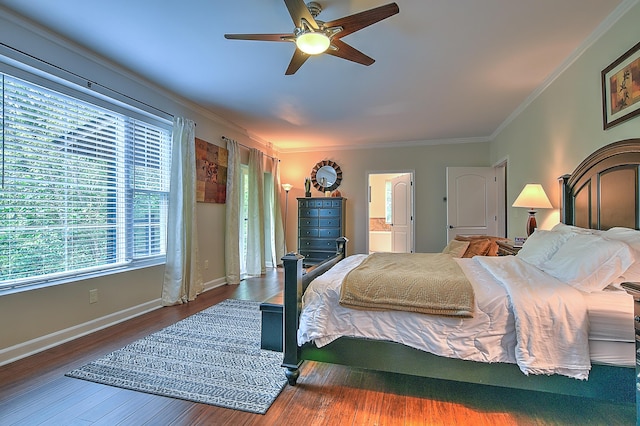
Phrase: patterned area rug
pixel 212 357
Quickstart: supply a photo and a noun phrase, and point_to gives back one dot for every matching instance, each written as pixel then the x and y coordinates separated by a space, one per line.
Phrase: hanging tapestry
pixel 211 172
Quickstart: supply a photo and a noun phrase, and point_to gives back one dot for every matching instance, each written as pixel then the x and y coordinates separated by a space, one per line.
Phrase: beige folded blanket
pixel 429 283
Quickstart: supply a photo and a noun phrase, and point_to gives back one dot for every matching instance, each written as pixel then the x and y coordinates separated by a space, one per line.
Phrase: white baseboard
pixel 31 347
pixel 215 283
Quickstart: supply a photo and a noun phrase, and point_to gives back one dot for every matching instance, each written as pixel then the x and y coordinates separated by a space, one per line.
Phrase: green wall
pixel 563 125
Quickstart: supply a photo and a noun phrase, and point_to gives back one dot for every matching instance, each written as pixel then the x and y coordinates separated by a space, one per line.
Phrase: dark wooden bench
pixel 272 320
pixel 271 335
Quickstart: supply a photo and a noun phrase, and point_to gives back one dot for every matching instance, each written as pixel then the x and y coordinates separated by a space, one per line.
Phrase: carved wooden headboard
pixel 602 192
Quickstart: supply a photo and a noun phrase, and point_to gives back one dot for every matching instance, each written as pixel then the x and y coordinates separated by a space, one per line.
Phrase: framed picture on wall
pixel 211 172
pixel 621 88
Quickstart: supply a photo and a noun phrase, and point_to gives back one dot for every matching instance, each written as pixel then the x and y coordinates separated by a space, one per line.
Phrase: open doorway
pixel 390 212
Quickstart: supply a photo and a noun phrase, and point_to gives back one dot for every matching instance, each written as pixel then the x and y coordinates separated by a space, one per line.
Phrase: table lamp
pixel 532 197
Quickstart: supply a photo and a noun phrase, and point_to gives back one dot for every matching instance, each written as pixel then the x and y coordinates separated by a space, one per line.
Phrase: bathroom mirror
pixel 326 176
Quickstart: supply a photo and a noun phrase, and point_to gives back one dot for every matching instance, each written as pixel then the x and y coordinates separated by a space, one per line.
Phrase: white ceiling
pixel 445 70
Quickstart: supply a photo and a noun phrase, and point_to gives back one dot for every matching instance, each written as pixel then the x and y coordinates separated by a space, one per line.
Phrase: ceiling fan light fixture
pixel 312 43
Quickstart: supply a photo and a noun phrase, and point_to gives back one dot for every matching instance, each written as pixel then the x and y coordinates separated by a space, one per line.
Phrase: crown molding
pixel 386 145
pixel 600 30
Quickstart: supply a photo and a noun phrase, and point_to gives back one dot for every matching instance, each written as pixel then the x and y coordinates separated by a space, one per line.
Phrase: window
pixel 82 188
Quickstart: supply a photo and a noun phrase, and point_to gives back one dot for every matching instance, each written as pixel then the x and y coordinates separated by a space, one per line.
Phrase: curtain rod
pixel 89 83
pixel 249 148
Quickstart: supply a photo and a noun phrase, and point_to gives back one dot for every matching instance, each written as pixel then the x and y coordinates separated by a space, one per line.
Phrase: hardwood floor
pixel 35 391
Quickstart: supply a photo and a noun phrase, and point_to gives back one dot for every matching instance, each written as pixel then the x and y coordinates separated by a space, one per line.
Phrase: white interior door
pixel 471 201
pixel 402 214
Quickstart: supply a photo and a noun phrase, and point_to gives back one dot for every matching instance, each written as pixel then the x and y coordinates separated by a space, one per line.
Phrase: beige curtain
pixel 265 236
pixel 256 264
pixel 182 278
pixel 232 236
pixel 278 227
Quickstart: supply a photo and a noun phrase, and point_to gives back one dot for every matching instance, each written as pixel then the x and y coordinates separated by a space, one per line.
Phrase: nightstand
pixel 506 248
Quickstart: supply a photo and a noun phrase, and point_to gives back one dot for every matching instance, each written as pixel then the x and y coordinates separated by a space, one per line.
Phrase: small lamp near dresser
pixel 287 187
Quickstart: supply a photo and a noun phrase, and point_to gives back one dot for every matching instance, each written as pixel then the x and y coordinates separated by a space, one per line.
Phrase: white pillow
pixel 589 262
pixel 632 238
pixel 541 245
pixel 561 227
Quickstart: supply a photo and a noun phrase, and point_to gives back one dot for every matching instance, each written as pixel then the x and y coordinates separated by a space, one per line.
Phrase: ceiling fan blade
pixel 299 11
pixel 349 53
pixel 261 37
pixel 298 59
pixel 353 23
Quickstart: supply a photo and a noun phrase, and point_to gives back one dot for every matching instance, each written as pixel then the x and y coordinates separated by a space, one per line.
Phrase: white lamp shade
pixel 533 197
pixel 313 43
pixel 287 186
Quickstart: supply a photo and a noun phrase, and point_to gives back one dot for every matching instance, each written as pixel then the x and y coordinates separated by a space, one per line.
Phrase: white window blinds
pixel 82 188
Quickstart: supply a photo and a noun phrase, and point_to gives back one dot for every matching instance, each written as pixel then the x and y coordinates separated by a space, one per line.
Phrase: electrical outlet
pixel 206 264
pixel 93 295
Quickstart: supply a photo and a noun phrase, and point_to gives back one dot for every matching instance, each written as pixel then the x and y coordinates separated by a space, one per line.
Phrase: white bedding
pixel 490 336
pixel 552 326
pixel 606 352
pixel 610 315
pixel 611 332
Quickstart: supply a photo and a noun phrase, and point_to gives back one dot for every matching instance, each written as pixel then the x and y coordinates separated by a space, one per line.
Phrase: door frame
pixel 412 190
pixel 501 168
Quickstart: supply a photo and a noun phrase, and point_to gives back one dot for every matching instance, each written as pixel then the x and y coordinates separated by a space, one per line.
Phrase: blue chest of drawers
pixel 320 222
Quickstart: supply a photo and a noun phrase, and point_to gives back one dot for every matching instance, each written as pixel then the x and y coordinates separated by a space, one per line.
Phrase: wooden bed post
pixel 566 203
pixel 291 312
pixel 295 283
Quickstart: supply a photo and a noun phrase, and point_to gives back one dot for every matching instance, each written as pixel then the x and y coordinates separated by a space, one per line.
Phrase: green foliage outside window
pixel 82 187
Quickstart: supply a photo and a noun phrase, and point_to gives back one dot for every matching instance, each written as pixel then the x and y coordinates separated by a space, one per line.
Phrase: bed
pixel 600 196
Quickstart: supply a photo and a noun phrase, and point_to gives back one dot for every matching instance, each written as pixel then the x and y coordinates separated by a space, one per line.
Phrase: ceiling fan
pixel 314 37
